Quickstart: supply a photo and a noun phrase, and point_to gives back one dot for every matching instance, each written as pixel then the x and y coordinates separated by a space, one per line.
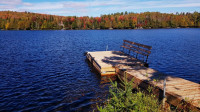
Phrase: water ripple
pixel 47 71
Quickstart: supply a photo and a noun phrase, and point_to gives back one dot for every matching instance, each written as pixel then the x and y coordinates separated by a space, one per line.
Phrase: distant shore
pixel 10 20
pixel 95 29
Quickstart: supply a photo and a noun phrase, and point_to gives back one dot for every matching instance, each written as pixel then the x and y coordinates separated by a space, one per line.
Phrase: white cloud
pixel 27 4
pixel 162 4
pixel 6 7
pixel 182 5
pixel 41 6
pixel 10 2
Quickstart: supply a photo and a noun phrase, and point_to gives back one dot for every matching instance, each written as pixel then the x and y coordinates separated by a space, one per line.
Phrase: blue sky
pixel 98 7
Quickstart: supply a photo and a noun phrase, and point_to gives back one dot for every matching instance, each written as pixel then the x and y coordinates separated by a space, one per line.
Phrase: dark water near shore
pixel 47 70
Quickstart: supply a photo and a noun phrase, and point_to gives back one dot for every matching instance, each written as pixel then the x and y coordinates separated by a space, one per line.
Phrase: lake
pixel 47 70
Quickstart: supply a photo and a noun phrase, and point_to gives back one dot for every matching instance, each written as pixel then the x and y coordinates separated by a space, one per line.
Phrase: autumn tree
pixel 125 20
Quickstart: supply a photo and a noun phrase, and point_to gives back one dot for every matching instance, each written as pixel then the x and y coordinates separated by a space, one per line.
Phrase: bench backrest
pixel 137 48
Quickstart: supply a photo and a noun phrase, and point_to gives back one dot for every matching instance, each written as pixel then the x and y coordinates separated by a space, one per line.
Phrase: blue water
pixel 47 70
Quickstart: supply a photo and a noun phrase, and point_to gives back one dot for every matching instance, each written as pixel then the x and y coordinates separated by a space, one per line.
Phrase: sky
pixel 98 7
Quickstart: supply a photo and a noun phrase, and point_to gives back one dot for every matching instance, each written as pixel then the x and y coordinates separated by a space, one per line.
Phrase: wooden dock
pixel 116 62
pixel 105 62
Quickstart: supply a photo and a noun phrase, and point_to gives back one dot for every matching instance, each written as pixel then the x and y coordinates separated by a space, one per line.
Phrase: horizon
pixel 97 8
pixel 97 16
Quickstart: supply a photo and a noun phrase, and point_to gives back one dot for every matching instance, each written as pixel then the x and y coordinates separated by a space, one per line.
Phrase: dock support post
pixel 164 90
pixel 107 48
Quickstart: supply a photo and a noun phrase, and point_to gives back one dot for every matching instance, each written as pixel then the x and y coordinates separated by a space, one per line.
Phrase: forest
pixel 10 20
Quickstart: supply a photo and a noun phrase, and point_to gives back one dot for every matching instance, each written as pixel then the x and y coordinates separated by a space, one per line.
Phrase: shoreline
pixel 102 29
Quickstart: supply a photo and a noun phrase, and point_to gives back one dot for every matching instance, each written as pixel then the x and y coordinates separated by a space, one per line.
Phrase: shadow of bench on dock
pixel 120 62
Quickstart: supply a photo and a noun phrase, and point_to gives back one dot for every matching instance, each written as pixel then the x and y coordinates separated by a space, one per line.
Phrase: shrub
pixel 125 100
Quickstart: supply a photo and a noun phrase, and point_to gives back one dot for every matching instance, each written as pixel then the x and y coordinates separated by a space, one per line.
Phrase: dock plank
pixel 108 60
pixel 116 62
pixel 175 87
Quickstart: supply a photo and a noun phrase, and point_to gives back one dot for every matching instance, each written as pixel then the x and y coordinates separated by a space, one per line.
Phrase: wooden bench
pixel 137 50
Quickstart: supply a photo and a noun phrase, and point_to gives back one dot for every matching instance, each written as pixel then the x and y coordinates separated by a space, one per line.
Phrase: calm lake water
pixel 47 70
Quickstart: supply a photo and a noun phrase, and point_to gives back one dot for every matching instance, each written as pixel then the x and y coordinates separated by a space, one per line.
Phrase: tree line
pixel 10 20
